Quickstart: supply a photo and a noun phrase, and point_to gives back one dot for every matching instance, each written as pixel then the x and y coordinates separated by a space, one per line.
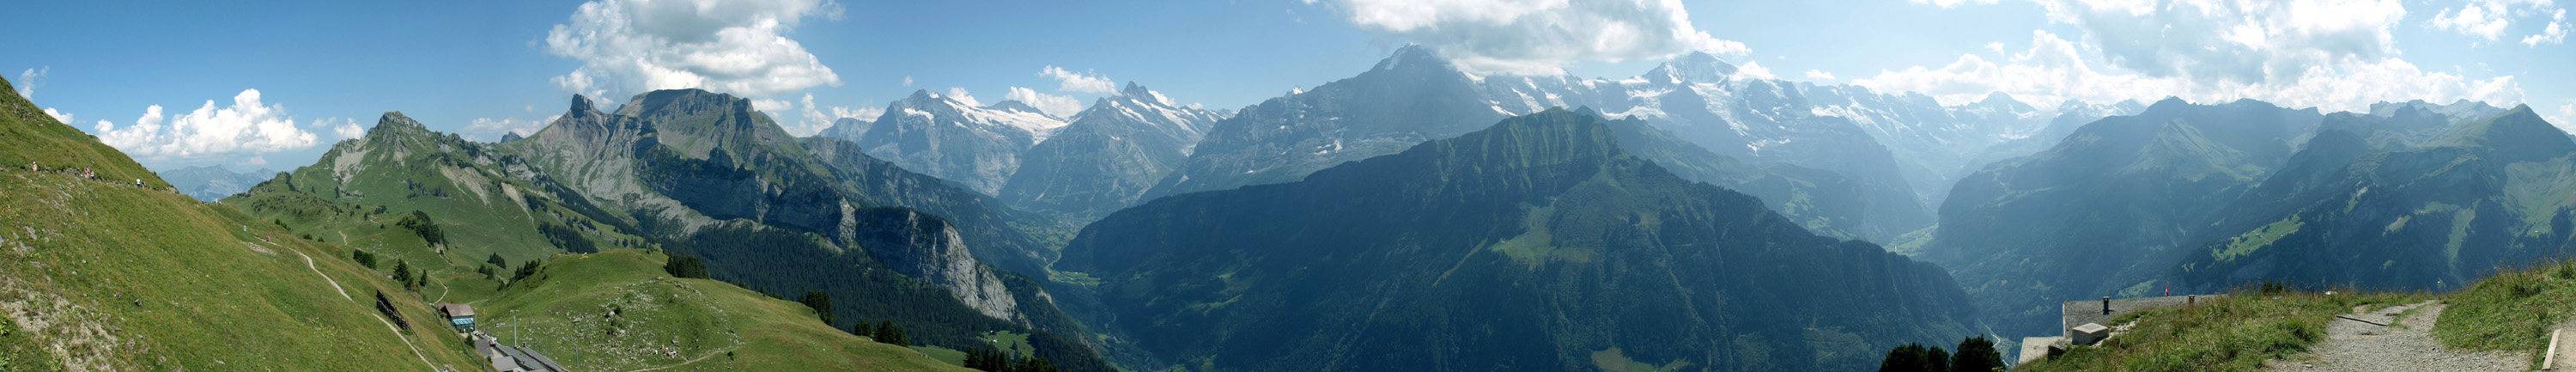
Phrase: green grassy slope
pixel 2236 333
pixel 103 275
pixel 617 310
pixel 34 137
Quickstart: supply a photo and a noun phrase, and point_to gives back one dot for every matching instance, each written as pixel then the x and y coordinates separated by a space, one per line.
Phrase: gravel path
pixel 2407 346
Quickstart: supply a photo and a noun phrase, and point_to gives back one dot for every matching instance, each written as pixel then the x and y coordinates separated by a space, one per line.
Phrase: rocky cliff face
pixel 923 246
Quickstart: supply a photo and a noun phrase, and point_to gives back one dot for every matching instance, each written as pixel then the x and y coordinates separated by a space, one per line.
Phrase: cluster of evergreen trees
pixel 990 360
pixel 420 224
pixel 688 267
pixel 885 332
pixel 822 304
pixel 1976 354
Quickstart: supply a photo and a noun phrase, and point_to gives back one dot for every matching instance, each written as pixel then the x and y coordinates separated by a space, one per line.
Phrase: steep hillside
pixel 103 275
pixel 2100 213
pixel 2366 210
pixel 621 312
pixel 1537 243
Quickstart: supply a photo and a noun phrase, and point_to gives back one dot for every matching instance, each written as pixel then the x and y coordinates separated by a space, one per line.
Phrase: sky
pixel 249 85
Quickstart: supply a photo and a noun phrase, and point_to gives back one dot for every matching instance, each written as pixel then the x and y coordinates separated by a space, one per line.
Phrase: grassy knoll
pixel 617 310
pixel 2511 311
pixel 2236 333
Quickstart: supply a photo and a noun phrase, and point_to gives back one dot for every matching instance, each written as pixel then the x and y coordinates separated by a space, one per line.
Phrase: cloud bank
pixel 248 128
pixel 1538 36
pixel 738 46
pixel 2332 54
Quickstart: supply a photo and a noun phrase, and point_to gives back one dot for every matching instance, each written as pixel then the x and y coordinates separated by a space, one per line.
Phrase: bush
pixel 1914 357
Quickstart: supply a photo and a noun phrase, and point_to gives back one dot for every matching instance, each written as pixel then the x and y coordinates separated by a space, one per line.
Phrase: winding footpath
pixel 2405 344
pixel 389 326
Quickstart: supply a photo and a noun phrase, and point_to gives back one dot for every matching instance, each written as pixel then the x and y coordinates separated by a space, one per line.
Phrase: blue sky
pixel 323 70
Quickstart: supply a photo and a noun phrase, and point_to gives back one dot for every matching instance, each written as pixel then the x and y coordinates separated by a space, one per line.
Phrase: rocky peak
pixel 1414 57
pixel 2517 135
pixel 1135 90
pixel 1696 67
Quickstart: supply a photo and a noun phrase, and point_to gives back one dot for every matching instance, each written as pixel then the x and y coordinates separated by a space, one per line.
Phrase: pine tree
pixel 1914 357
pixel 497 261
pixel 1977 354
pixel 822 304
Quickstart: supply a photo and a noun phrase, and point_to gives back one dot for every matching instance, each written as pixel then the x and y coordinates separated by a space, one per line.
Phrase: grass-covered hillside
pixel 97 274
pixel 618 310
pixel 2511 312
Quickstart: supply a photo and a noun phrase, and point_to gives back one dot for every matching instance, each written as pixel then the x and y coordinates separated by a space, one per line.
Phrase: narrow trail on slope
pixel 710 354
pixel 317 271
pixel 389 326
pixel 2406 344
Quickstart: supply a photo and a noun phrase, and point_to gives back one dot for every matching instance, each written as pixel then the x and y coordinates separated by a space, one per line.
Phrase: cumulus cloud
pixel 2555 33
pixel 28 81
pixel 489 129
pixel 1070 81
pixel 247 128
pixel 1538 36
pixel 2054 70
pixel 2489 19
pixel 1819 75
pixel 59 116
pixel 734 46
pixel 959 94
pixel 1754 70
pixel 345 128
pixel 2565 112
pixel 1060 106
pixel 2216 41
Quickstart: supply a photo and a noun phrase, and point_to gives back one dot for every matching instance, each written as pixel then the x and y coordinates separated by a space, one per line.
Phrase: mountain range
pixel 1575 254
pixel 209 183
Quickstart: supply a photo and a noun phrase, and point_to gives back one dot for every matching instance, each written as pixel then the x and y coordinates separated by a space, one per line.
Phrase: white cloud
pixel 1753 70
pixel 1060 106
pixel 34 77
pixel 345 128
pixel 247 128
pixel 2054 70
pixel 2565 112
pixel 489 129
pixel 739 47
pixel 64 117
pixel 2556 31
pixel 907 80
pixel 1539 36
pixel 1819 75
pixel 2218 41
pixel 765 104
pixel 1070 81
pixel 2489 19
pixel 959 94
